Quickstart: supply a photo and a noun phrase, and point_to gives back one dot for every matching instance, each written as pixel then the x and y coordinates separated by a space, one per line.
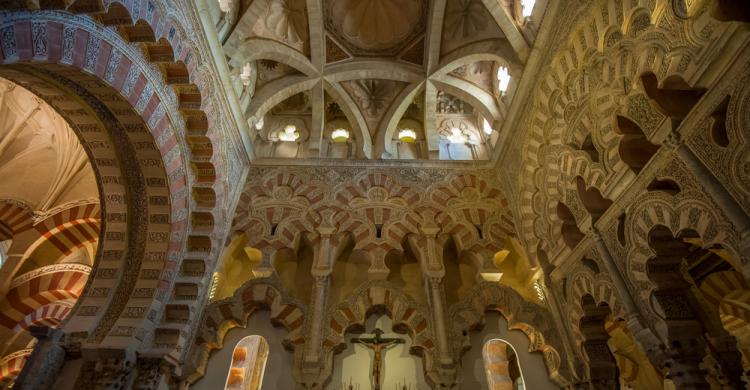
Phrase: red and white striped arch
pixel 41 287
pixel 729 292
pixel 71 228
pixel 11 365
pixel 14 219
pixel 48 315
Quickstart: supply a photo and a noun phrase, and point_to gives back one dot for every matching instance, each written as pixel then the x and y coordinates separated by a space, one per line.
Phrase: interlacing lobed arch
pixel 595 93
pixel 368 222
pixel 630 130
pixel 378 210
pixel 615 153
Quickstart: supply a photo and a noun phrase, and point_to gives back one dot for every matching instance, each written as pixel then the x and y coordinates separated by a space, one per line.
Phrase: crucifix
pixel 378 345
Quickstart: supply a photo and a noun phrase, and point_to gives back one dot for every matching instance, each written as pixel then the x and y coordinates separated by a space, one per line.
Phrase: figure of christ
pixel 378 345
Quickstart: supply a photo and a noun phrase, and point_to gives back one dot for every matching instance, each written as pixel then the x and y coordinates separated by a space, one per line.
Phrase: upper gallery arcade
pixel 374 194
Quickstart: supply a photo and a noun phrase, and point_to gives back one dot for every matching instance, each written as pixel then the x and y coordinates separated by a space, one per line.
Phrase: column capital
pixel 321 278
pixel 429 231
pixel 326 231
pixel 673 141
pixel 595 234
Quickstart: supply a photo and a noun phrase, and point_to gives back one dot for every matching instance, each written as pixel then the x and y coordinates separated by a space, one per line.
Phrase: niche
pixel 719 126
pixel 185 291
pixel 177 313
pixel 664 185
pixel 590 264
pixel 621 229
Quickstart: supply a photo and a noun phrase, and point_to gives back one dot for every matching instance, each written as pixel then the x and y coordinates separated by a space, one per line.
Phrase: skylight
pixel 503 79
pixel 289 134
pixel 340 135
pixel 457 136
pixel 225 5
pixel 246 75
pixel 527 6
pixel 486 127
pixel 407 135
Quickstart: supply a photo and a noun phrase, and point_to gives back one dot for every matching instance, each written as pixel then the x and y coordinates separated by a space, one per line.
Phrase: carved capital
pixel 673 140
pixel 434 281
pixel 321 280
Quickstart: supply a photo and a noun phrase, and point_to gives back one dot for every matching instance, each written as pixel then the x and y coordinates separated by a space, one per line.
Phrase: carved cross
pixel 377 344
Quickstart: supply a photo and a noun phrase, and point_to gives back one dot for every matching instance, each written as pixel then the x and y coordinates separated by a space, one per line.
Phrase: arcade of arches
pixel 374 194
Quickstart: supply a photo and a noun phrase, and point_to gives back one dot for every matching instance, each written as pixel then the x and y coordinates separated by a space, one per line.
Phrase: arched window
pixel 501 366
pixel 248 363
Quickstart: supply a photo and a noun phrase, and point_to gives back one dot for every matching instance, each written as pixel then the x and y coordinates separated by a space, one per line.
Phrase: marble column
pixel 325 255
pixel 44 363
pixel 437 304
pixel 623 293
pixel 430 254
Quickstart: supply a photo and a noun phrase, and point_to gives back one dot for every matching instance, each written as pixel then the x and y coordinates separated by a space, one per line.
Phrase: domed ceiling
pixel 376 79
pixel 376 27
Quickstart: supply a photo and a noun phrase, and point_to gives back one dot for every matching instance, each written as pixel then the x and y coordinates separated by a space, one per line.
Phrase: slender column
pixel 222 68
pixel 682 330
pixel 433 141
pixel 556 308
pixel 318 305
pixel 44 363
pixel 430 255
pixel 318 121
pixel 602 366
pixel 652 345
pixel 615 275
pixel 321 270
pixel 437 304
